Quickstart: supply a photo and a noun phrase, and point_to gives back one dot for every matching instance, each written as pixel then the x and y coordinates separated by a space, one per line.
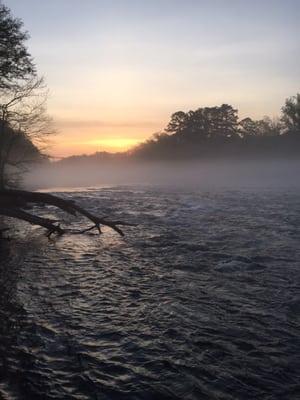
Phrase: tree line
pixel 213 131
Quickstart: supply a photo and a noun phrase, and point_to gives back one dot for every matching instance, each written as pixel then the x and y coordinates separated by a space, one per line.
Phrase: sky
pixel 117 69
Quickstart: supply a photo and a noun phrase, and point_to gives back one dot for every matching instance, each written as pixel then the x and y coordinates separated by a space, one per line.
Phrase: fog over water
pixel 239 174
pixel 199 300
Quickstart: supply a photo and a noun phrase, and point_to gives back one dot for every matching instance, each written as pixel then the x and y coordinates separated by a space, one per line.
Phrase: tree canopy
pixel 291 114
pixel 216 131
pixel 207 122
pixel 16 64
pixel 23 119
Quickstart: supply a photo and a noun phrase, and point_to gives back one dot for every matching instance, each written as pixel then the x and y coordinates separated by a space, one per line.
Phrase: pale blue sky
pixel 118 69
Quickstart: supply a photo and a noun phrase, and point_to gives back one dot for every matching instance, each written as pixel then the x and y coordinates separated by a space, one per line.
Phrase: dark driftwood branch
pixel 33 219
pixel 12 200
pixel 24 197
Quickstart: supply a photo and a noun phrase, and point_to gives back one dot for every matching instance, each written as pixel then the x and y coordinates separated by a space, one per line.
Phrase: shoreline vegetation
pixel 207 145
pixel 212 133
pixel 286 146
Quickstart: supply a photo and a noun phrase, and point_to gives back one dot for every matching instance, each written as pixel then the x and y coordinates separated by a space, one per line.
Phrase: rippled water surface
pixel 200 301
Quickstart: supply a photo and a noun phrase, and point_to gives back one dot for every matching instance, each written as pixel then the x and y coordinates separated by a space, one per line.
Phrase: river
pixel 199 301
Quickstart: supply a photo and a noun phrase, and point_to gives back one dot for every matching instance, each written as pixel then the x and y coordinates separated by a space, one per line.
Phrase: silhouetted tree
pixel 178 122
pixel 247 127
pixel 23 119
pixel 15 62
pixel 263 127
pixel 207 122
pixel 269 127
pixel 291 114
pixel 225 121
pixel 216 132
pixel 23 96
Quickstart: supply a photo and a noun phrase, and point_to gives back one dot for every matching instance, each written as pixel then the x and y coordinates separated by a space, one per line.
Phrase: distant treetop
pixel 291 114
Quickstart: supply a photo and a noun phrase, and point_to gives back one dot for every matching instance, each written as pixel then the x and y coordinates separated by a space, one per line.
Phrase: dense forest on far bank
pixel 215 133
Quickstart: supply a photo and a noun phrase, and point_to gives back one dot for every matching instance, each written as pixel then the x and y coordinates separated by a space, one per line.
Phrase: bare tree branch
pixel 33 219
pixel 21 198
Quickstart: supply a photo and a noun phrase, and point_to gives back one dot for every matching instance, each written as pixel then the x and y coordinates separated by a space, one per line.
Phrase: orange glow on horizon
pixel 119 144
pixel 88 136
pixel 66 144
pixel 111 145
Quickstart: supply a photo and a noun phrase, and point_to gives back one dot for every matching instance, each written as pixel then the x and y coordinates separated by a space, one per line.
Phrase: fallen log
pixel 23 197
pixel 33 219
pixel 12 203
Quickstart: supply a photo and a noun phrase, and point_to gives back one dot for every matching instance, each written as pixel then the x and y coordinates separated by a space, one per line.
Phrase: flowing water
pixel 199 301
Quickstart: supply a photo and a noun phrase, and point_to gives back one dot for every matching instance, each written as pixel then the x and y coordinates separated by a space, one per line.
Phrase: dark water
pixel 200 301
